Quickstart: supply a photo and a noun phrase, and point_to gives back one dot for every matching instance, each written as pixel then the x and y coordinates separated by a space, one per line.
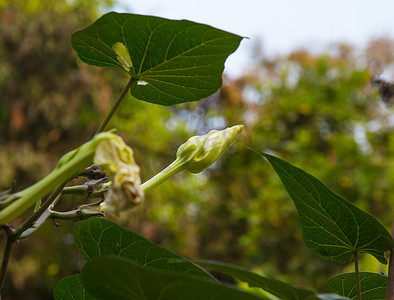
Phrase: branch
pixel 6 258
pixel 53 198
pixel 78 214
pixel 90 189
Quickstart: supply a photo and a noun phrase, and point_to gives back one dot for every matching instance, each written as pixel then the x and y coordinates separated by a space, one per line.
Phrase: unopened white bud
pixel 199 152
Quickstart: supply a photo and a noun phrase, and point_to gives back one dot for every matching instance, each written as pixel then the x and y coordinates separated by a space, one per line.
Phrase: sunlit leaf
pixel 71 288
pixel 116 278
pixel 373 285
pixel 172 61
pixel 97 237
pixel 332 227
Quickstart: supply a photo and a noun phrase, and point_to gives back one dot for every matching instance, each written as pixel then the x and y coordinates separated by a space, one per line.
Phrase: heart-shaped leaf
pixel 373 285
pixel 332 227
pixel 116 278
pixel 71 288
pixel 172 61
pixel 97 237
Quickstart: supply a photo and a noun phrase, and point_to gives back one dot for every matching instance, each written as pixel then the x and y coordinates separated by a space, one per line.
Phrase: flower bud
pixel 116 158
pixel 112 153
pixel 199 152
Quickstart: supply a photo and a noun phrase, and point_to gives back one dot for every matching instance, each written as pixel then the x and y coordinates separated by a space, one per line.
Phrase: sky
pixel 279 25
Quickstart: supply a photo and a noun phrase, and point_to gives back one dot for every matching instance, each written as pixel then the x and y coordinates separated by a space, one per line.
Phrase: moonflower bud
pixel 116 158
pixel 199 152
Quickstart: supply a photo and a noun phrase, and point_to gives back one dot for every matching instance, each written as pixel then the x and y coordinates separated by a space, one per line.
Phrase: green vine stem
pixel 390 280
pixel 32 194
pixel 115 105
pixel 174 168
pixel 357 271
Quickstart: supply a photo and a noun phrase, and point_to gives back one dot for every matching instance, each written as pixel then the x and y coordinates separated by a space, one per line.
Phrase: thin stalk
pixel 34 217
pixel 14 235
pixel 356 269
pixel 175 167
pixel 6 258
pixel 115 105
pixel 390 280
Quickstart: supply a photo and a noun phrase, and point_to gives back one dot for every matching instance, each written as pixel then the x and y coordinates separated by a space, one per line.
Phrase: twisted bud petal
pixel 199 152
pixel 112 153
pixel 116 158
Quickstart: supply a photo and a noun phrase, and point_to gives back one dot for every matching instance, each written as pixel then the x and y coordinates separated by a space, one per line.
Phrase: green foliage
pixel 99 237
pixel 115 278
pixel 373 285
pixel 176 61
pixel 123 265
pixel 310 109
pixel 71 288
pixel 332 227
pixel 278 288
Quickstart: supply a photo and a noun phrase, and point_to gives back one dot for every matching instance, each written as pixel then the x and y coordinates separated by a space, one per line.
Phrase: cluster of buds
pixel 111 153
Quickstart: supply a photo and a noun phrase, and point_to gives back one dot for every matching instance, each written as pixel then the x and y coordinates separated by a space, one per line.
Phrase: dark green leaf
pixel 275 287
pixel 373 285
pixel 332 227
pixel 71 288
pixel 116 278
pixel 179 60
pixel 97 236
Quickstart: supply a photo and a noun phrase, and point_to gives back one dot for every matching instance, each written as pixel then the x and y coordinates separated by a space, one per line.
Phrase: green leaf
pixel 332 227
pixel 116 278
pixel 97 237
pixel 373 285
pixel 177 60
pixel 71 288
pixel 275 287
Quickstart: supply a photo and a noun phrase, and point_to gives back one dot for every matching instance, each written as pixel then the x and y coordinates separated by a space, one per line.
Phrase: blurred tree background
pixel 317 111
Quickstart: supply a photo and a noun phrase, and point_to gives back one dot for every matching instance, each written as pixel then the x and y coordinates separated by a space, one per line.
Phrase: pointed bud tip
pixel 200 152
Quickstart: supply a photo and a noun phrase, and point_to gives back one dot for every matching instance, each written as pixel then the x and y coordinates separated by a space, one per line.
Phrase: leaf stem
pixel 356 268
pixel 115 105
pixel 390 280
